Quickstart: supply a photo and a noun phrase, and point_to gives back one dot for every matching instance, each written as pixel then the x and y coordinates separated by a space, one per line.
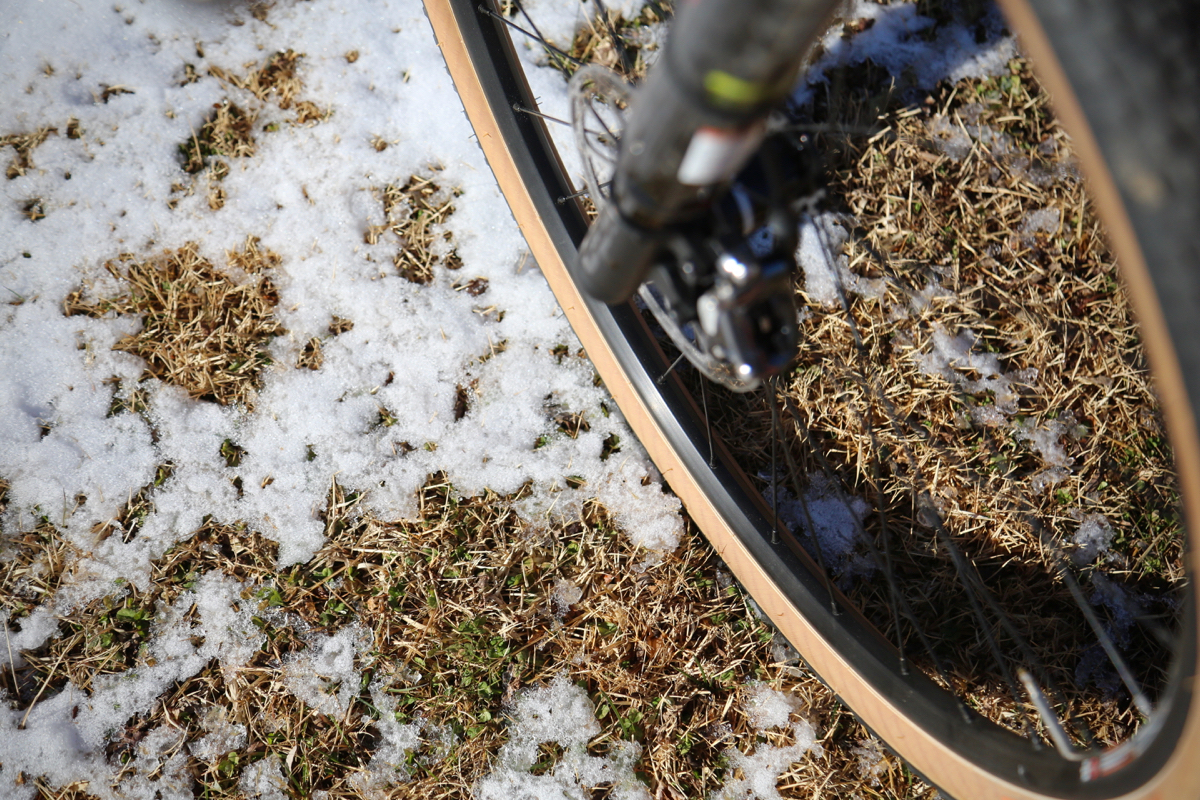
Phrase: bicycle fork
pixel 690 135
pixel 696 122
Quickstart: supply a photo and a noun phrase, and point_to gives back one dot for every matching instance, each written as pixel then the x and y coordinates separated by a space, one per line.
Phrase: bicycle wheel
pixel 1148 210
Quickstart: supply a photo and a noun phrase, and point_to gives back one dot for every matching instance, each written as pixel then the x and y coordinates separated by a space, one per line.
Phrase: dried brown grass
pixel 612 41
pixel 227 133
pixel 415 213
pixel 1048 301
pixel 459 613
pixel 277 81
pixel 24 144
pixel 34 561
pixel 201 329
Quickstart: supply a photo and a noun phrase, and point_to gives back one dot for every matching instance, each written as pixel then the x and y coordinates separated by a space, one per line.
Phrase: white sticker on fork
pixel 716 154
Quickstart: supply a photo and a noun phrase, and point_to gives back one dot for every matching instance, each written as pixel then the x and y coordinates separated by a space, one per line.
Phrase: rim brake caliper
pixel 727 280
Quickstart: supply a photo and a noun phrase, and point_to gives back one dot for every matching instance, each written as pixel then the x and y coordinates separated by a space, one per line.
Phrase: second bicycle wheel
pixel 853 648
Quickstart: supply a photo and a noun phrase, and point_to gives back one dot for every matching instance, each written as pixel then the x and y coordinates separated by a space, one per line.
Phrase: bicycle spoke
pixel 522 110
pixel 580 193
pixel 537 37
pixel 1057 734
pixel 774 466
pixel 669 369
pixel 603 123
pixel 901 600
pixel 712 456
pixel 1131 683
pixel 802 499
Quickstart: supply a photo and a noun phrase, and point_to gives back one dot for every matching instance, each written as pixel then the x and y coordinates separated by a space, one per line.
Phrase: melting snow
pixel 323 674
pixel 560 713
pixel 387 766
pixel 836 521
pixel 951 357
pixel 825 270
pixel 564 595
pixel 767 708
pixel 1092 539
pixel 892 38
pixel 263 780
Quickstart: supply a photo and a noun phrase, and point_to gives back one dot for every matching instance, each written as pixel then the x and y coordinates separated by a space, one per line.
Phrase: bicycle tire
pixel 918 720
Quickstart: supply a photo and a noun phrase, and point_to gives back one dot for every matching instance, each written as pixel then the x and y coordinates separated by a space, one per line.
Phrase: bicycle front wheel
pixel 957 749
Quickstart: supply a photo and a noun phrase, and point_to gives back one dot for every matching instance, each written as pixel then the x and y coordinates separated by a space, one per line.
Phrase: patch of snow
pixel 893 37
pixel 1048 477
pixel 767 709
pixel 836 522
pixel 564 595
pixel 1092 539
pixel 826 272
pixel 323 674
pixel 64 735
pixel 870 759
pixel 36 628
pixel 263 780
pixel 560 713
pixel 950 357
pixel 1046 439
pixel 956 137
pixel 221 737
pixel 782 651
pixel 923 299
pixel 387 766
pixel 1044 220
pixel 1124 607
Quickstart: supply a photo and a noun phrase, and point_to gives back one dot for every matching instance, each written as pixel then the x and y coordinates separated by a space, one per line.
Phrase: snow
pixel 892 37
pixel 387 765
pixel 1046 439
pixel 1043 220
pixel 923 299
pixel 36 628
pixel 1092 539
pixel 559 713
pixel 429 339
pixel 323 675
pixel 263 780
pixel 954 360
pixel 835 519
pixel 222 736
pixel 871 760
pixel 826 272
pixel 767 708
pixel 64 735
pixel 951 357
pixel 309 193
pixel 564 595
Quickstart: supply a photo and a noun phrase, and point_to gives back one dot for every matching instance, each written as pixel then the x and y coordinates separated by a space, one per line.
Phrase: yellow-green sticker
pixel 728 88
